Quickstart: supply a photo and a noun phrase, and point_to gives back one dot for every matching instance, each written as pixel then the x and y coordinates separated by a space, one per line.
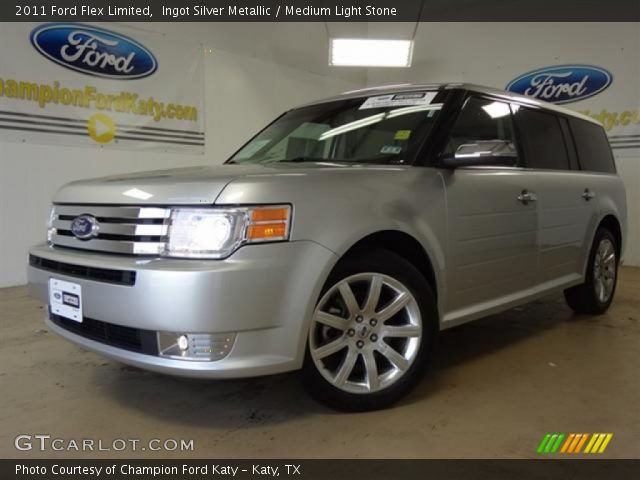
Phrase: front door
pixel 492 218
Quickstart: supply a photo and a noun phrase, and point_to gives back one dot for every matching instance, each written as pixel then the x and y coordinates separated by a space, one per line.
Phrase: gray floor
pixel 500 385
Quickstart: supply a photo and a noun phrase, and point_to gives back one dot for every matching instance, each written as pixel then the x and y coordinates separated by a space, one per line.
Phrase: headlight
pixel 218 232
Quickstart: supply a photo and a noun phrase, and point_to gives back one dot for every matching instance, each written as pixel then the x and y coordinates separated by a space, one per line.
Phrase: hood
pixel 180 186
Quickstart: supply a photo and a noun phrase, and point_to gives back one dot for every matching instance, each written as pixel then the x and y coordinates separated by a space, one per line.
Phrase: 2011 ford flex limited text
pixel 340 240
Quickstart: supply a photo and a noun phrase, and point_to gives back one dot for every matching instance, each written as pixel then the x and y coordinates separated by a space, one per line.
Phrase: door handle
pixel 588 194
pixel 526 196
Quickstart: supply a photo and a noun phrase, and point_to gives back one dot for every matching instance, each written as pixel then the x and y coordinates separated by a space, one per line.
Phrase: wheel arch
pixel 402 244
pixel 611 223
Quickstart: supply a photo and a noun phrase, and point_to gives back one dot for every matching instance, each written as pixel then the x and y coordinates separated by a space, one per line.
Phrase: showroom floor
pixel 502 383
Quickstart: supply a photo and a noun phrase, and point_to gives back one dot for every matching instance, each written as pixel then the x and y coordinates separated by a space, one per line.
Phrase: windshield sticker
pixel 391 149
pixel 402 135
pixel 407 99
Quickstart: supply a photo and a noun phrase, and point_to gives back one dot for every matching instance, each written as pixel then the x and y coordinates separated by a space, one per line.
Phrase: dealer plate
pixel 65 299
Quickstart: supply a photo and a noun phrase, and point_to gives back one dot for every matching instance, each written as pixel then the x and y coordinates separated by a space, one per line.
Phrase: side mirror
pixel 482 153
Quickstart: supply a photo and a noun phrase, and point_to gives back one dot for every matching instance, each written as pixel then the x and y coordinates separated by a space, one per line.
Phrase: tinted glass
pixel 377 129
pixel 542 139
pixel 594 153
pixel 484 126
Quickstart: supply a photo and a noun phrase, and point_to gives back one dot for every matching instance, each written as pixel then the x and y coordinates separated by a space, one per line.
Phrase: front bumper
pixel 265 294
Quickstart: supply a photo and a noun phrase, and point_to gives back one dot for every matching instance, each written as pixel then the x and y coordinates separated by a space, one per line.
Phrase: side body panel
pixel 492 240
pixel 566 222
pixel 611 200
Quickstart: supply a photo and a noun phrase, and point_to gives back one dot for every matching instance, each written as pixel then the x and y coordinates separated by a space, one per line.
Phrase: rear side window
pixel 594 153
pixel 542 139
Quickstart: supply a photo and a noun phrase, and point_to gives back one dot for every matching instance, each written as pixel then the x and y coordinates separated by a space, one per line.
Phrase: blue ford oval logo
pixel 562 83
pixel 93 51
pixel 85 227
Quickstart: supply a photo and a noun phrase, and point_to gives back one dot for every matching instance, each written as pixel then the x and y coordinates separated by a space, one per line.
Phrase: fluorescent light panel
pixel 357 52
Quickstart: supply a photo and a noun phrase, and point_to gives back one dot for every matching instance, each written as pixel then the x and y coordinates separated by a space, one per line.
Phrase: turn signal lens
pixel 270 231
pixel 269 224
pixel 268 214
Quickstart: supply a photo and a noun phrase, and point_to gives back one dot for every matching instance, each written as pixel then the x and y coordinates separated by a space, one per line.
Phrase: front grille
pixel 118 277
pixel 124 230
pixel 127 338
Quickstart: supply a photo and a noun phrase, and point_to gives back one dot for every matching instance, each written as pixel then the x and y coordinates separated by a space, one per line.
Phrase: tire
pixel 355 359
pixel 595 295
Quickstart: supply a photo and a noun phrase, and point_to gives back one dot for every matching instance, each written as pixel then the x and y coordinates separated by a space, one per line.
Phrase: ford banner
pixel 116 86
pixel 93 51
pixel 562 83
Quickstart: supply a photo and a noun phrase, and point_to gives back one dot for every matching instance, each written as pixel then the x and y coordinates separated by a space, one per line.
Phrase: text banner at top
pixel 320 11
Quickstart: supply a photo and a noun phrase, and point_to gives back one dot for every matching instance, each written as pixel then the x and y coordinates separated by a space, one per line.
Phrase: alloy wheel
pixel 366 332
pixel 604 270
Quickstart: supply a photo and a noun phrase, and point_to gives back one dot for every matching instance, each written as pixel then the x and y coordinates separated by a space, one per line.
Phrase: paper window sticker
pixel 406 99
pixel 390 149
pixel 402 135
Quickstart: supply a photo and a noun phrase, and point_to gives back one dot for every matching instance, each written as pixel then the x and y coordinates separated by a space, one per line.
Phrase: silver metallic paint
pixel 488 250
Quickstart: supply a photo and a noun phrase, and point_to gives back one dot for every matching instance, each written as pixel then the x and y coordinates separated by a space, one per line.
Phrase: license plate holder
pixel 65 299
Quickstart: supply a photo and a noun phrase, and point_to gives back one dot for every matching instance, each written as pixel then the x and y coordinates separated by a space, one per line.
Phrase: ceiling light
pixel 370 53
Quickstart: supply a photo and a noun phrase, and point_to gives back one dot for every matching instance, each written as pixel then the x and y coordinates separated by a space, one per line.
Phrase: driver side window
pixel 484 127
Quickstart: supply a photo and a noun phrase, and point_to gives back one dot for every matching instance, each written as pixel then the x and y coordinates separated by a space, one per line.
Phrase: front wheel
pixel 371 334
pixel 596 294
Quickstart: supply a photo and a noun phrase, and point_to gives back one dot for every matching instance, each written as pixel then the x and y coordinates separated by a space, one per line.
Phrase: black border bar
pixel 321 10
pixel 545 468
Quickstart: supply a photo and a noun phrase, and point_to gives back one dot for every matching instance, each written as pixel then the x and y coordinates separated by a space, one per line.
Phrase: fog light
pixel 183 343
pixel 195 346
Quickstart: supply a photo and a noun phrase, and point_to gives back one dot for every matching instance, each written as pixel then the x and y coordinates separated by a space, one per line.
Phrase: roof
pixel 407 87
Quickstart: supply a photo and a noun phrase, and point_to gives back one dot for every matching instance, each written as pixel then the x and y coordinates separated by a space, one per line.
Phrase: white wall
pixel 243 93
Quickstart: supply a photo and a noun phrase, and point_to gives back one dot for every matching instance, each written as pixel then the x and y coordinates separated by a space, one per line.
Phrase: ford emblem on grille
pixel 85 227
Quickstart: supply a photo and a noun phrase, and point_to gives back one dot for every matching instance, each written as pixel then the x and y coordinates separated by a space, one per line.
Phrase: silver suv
pixel 340 240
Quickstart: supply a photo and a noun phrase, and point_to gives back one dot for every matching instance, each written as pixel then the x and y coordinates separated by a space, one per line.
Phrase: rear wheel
pixel 596 294
pixel 372 333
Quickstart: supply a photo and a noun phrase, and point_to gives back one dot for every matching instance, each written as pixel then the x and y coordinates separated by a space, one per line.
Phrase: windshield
pixel 376 129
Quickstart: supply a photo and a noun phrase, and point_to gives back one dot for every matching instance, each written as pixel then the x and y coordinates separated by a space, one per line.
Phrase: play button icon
pixel 101 128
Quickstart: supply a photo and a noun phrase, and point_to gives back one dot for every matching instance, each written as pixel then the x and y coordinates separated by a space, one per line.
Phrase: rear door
pixel 565 207
pixel 492 251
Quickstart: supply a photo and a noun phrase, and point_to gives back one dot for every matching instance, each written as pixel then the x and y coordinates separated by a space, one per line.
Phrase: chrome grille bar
pixel 124 230
pixel 113 212
pixel 131 229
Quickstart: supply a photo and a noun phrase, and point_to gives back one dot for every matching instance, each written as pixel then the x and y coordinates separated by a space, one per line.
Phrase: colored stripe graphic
pixel 543 443
pixel 556 445
pixel 598 443
pixel 581 442
pixel 573 443
pixel 568 442
pixel 550 443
